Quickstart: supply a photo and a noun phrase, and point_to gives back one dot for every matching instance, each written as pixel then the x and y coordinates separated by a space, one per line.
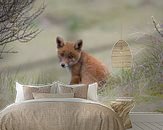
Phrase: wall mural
pixel 120 34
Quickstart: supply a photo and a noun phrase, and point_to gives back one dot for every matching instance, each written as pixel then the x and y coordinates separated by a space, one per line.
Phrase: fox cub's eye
pixel 70 56
pixel 62 54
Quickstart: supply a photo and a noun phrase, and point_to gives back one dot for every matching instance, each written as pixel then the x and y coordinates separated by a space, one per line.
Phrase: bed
pixel 58 113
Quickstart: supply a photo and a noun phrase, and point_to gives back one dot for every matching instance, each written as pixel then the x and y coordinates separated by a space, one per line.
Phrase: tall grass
pixel 7 91
pixel 144 78
pixel 8 88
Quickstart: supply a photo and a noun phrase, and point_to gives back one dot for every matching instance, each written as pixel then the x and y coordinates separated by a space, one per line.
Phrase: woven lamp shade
pixel 121 55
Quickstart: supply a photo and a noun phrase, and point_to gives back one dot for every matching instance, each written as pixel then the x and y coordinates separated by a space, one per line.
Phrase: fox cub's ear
pixel 78 45
pixel 60 42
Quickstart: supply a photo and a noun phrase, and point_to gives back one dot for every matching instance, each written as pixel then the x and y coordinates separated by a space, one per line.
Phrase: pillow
pixel 28 90
pixel 19 93
pixel 122 107
pixel 54 87
pixel 24 92
pixel 50 95
pixel 92 92
pixel 79 90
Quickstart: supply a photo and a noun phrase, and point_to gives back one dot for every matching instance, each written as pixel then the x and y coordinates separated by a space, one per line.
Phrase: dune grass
pixel 144 78
pixel 8 80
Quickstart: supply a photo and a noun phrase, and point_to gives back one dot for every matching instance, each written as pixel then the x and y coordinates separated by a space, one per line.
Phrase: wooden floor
pixel 146 121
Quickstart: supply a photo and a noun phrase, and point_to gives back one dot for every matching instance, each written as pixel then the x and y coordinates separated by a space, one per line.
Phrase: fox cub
pixel 83 67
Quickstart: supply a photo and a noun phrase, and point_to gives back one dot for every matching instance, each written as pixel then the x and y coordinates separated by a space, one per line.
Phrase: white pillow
pixel 20 93
pixel 92 92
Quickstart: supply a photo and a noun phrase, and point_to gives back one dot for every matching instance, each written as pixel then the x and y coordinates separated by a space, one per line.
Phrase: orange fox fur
pixel 83 67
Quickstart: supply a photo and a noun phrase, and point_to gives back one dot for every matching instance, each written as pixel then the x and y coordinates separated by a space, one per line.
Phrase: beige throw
pixel 59 114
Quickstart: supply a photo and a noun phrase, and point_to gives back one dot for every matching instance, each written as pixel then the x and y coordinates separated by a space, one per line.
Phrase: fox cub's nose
pixel 63 65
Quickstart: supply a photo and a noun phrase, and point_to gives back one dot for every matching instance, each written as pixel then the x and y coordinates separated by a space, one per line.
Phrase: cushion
pixel 24 92
pixel 28 90
pixel 54 87
pixel 79 90
pixel 92 92
pixel 122 107
pixel 50 95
